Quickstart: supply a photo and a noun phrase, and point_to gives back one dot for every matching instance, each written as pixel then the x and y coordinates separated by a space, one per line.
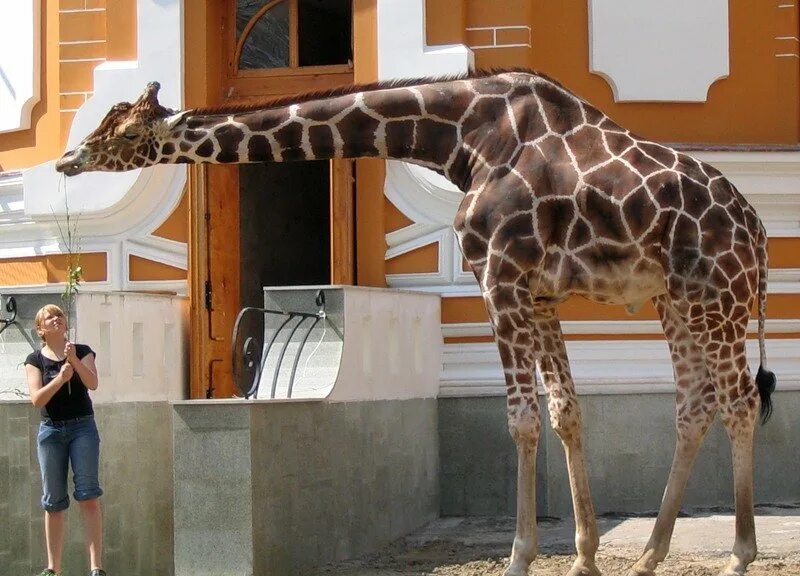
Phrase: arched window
pixel 281 35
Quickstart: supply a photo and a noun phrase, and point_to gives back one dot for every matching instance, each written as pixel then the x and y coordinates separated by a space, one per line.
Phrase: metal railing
pixel 249 353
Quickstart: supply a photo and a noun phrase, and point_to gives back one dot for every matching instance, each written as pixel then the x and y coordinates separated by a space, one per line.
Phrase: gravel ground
pixel 480 547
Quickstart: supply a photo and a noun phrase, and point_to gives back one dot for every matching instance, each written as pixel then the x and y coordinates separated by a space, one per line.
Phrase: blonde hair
pixel 50 309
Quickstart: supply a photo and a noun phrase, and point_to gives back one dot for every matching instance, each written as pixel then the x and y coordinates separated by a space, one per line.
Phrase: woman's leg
pixel 84 452
pixel 93 527
pixel 53 461
pixel 54 523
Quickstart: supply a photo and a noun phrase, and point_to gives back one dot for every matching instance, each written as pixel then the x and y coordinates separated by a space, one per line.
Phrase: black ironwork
pixel 250 358
pixel 11 308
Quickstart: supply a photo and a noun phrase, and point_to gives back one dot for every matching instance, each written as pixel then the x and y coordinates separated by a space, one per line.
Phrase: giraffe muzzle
pixel 72 163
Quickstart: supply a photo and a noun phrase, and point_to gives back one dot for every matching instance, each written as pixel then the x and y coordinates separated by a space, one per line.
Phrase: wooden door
pixel 215 278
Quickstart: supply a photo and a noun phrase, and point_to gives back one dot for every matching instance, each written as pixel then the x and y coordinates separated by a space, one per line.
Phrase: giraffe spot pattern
pixel 560 199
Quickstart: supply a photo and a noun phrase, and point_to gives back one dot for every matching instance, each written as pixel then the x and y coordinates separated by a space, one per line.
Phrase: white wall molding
pixel 496 42
pixel 601 367
pixel 769 180
pixel 593 327
pixel 402 50
pixel 651 50
pixel 422 195
pixel 20 63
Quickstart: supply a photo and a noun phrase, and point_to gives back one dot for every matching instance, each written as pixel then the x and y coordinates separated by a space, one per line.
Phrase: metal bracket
pixel 249 359
pixel 11 308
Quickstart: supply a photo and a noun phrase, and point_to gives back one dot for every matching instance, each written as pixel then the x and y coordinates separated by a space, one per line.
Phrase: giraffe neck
pixel 414 124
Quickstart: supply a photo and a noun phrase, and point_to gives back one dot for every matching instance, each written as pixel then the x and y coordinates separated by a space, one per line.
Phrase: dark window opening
pixel 325 32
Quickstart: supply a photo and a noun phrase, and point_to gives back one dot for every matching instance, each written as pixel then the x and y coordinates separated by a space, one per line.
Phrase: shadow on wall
pixel 17 339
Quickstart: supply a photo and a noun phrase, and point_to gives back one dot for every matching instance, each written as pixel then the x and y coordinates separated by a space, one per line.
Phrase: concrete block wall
pixel 629 442
pixel 280 487
pixel 136 475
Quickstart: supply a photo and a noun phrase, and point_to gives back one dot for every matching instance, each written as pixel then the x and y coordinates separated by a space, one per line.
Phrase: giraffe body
pixel 559 200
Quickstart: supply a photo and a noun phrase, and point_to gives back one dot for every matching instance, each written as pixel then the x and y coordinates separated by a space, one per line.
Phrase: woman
pixel 60 375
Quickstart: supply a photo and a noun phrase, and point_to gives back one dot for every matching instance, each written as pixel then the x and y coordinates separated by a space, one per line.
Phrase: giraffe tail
pixel 765 380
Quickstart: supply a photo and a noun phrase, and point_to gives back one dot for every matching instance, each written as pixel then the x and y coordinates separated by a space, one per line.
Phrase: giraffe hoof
pixel 516 569
pixel 732 572
pixel 585 571
pixel 641 572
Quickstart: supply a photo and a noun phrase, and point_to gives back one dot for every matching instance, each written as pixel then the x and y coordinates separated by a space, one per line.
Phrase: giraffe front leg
pixel 524 426
pixel 510 308
pixel 565 417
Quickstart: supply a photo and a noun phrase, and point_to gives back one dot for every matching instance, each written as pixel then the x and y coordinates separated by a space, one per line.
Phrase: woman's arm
pixel 87 370
pixel 41 395
pixel 85 367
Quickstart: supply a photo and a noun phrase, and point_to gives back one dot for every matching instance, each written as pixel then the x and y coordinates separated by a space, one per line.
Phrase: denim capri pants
pixel 67 442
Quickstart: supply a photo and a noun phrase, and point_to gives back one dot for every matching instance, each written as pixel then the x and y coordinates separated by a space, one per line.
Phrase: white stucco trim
pixel 656 51
pixel 402 49
pixel 601 367
pixel 769 180
pixel 20 63
pixel 591 327
pixel 420 194
pixel 115 209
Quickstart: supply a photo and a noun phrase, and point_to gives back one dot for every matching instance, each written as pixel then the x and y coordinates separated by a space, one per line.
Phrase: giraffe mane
pixel 253 105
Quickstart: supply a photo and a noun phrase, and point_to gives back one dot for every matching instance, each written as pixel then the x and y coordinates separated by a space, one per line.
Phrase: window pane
pixel 324 30
pixel 267 44
pixel 245 10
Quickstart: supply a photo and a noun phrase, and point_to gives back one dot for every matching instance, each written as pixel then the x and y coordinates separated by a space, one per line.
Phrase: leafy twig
pixel 72 243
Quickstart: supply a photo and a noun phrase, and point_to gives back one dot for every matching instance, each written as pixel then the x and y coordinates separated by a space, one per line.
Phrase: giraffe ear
pixel 174 119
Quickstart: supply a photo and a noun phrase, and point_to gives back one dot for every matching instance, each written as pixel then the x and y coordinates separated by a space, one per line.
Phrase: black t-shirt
pixel 72 399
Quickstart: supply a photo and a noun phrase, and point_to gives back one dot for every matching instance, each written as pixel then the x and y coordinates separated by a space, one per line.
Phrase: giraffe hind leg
pixel 696 406
pixel 721 333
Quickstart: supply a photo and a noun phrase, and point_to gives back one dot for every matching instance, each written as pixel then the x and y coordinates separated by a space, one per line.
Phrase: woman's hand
pixel 71 355
pixel 66 372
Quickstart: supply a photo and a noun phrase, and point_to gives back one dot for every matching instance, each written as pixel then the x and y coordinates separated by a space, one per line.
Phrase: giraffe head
pixel 130 136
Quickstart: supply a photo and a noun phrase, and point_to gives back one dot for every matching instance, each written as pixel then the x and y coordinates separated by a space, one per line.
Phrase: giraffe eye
pixel 130 135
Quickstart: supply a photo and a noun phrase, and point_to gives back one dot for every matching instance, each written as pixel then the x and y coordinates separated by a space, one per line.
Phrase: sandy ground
pixel 480 547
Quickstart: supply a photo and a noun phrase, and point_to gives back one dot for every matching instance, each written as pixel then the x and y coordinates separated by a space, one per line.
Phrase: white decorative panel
pixel 659 50
pixel 117 211
pixel 421 194
pixel 20 65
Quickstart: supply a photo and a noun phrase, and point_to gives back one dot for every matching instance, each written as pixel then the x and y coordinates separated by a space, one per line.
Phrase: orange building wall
pixel 370 172
pixel 51 269
pixel 757 103
pixel 77 36
pixel 142 269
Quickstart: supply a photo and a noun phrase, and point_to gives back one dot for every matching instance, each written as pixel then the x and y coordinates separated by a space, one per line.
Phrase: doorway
pixel 284 227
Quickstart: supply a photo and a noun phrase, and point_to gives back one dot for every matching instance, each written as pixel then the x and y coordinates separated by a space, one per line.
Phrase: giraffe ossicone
pixel 558 200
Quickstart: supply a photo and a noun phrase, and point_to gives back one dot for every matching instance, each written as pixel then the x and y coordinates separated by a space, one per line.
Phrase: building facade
pixel 169 256
pixel 720 81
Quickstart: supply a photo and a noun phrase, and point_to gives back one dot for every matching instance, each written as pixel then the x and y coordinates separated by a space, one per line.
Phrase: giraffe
pixel 558 200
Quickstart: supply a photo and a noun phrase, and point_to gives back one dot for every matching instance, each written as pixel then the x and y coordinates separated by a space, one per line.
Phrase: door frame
pixel 214 274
